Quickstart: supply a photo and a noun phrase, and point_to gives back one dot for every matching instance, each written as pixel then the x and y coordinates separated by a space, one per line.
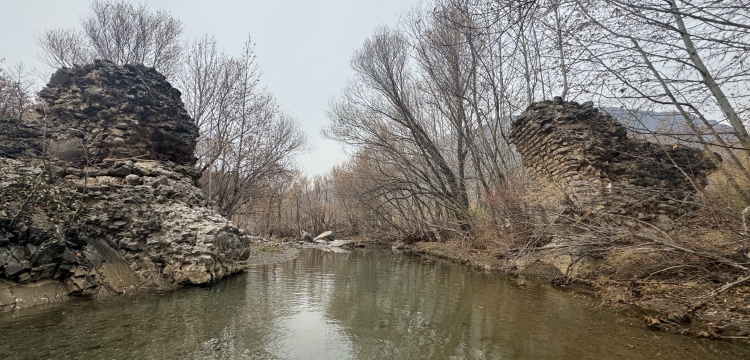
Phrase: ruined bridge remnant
pixel 581 155
pixel 121 112
pixel 99 194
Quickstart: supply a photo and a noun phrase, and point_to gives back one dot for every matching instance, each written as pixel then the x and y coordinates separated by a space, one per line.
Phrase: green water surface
pixel 368 304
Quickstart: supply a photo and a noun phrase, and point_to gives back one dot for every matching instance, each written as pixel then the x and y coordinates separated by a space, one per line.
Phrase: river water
pixel 368 304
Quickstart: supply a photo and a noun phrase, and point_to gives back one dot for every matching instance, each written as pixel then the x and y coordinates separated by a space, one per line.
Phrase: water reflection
pixel 368 304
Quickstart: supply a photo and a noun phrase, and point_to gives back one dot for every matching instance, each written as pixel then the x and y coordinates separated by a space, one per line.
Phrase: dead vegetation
pixel 691 276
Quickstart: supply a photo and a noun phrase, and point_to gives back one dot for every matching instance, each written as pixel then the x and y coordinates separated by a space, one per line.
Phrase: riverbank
pixel 371 303
pixel 272 252
pixel 664 304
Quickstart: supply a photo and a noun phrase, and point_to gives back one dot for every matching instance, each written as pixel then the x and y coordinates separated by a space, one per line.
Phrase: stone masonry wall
pixel 588 160
pixel 121 112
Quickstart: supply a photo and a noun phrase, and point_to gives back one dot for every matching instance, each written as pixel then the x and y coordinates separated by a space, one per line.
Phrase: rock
pixel 340 243
pixel 13 268
pixel 43 271
pixel 68 257
pixel 56 170
pixel 119 223
pixel 8 150
pixel 161 180
pixel 18 253
pixel 133 179
pixel 123 170
pixel 305 236
pixel 140 220
pixel 327 236
pixel 24 277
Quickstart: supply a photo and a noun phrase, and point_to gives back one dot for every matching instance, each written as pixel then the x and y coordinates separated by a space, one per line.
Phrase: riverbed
pixel 366 304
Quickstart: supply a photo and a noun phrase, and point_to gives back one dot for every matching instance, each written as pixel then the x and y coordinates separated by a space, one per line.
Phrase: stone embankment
pixel 99 193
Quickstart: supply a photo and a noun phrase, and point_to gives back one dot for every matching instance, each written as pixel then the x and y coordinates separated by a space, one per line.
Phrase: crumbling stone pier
pixel 582 157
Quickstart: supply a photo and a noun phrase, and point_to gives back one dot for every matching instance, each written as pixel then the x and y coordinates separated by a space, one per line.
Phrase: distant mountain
pixel 667 126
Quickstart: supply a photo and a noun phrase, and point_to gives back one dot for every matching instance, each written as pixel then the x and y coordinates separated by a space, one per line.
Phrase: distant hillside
pixel 667 126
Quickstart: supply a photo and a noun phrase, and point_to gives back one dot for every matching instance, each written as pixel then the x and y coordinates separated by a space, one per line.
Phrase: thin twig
pixel 704 255
pixel 716 292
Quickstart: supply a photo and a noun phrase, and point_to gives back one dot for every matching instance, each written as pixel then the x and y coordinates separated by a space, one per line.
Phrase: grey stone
pixel 24 277
pixel 339 243
pixel 18 253
pixel 305 236
pixel 43 271
pixel 123 170
pixel 93 94
pixel 4 257
pixel 326 235
pixel 68 257
pixel 133 179
pixel 13 268
pixel 56 170
pixel 8 150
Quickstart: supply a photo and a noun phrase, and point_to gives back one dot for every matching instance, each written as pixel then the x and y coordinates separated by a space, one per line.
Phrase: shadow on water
pixel 369 304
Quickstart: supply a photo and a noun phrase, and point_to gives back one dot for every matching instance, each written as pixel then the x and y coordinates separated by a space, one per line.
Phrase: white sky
pixel 303 46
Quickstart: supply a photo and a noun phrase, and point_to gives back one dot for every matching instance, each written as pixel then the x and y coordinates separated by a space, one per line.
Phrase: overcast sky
pixel 303 46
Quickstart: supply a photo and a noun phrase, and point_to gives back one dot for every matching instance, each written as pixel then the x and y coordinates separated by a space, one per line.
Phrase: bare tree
pixel 15 91
pixel 64 47
pixel 689 54
pixel 382 108
pixel 119 32
pixel 207 80
pixel 246 140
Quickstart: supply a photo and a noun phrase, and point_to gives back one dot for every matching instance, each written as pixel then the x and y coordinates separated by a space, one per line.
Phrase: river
pixel 368 304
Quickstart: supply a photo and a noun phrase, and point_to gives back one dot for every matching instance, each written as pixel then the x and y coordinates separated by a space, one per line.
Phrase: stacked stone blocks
pixel 587 158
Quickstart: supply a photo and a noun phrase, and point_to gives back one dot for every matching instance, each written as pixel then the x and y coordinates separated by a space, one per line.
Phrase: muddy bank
pixel 662 304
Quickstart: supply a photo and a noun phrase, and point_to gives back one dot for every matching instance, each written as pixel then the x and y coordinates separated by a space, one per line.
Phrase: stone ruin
pixel 99 193
pixel 583 159
pixel 120 112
